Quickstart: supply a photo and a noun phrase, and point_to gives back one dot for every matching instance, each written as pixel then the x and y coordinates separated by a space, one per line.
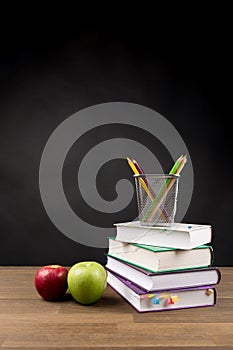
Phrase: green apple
pixel 87 281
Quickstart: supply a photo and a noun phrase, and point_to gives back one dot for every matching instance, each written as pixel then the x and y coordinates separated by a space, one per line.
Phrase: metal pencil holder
pixel 156 198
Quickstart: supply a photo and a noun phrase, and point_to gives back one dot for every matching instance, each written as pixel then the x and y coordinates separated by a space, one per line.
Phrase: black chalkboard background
pixel 47 76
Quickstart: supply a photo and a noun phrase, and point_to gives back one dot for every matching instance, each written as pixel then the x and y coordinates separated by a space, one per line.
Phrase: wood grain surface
pixel 29 322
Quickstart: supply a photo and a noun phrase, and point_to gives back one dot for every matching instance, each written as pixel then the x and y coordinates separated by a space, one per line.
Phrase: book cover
pixel 161 259
pixel 162 300
pixel 163 280
pixel 178 235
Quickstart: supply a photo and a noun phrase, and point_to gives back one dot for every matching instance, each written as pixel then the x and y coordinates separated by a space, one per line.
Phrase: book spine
pixel 219 275
pixel 212 255
pixel 215 296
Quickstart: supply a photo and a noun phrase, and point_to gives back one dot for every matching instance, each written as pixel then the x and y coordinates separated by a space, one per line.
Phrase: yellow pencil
pixel 144 185
pixel 136 172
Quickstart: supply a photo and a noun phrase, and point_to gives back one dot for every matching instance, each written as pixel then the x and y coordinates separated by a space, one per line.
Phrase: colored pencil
pixel 158 200
pixel 137 170
pixel 140 171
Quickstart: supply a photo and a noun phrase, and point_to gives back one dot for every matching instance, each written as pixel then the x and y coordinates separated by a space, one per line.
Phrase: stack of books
pixel 163 268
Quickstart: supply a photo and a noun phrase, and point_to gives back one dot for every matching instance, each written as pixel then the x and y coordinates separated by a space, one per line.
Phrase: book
pixel 167 280
pixel 161 259
pixel 177 235
pixel 162 300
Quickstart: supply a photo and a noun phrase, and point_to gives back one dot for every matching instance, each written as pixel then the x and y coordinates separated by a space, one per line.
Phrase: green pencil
pixel 162 189
pixel 176 165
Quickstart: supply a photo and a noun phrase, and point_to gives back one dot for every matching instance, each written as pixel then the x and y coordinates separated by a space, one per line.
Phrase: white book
pixel 178 235
pixel 151 281
pixel 163 300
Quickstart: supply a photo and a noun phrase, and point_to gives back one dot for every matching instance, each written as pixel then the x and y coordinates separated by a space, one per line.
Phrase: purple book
pixel 162 300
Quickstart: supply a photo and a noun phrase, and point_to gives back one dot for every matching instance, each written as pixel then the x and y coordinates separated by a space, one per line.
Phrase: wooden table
pixel 28 322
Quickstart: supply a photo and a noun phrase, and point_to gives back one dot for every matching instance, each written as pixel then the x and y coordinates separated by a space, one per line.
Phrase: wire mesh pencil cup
pixel 156 198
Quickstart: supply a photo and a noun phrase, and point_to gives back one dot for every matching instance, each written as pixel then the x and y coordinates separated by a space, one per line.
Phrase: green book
pixel 160 259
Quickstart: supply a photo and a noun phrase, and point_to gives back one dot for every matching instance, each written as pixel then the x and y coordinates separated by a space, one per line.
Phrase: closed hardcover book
pixel 177 235
pixel 162 300
pixel 160 259
pixel 167 280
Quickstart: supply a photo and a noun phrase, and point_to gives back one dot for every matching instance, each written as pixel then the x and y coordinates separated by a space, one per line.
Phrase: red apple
pixel 51 281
